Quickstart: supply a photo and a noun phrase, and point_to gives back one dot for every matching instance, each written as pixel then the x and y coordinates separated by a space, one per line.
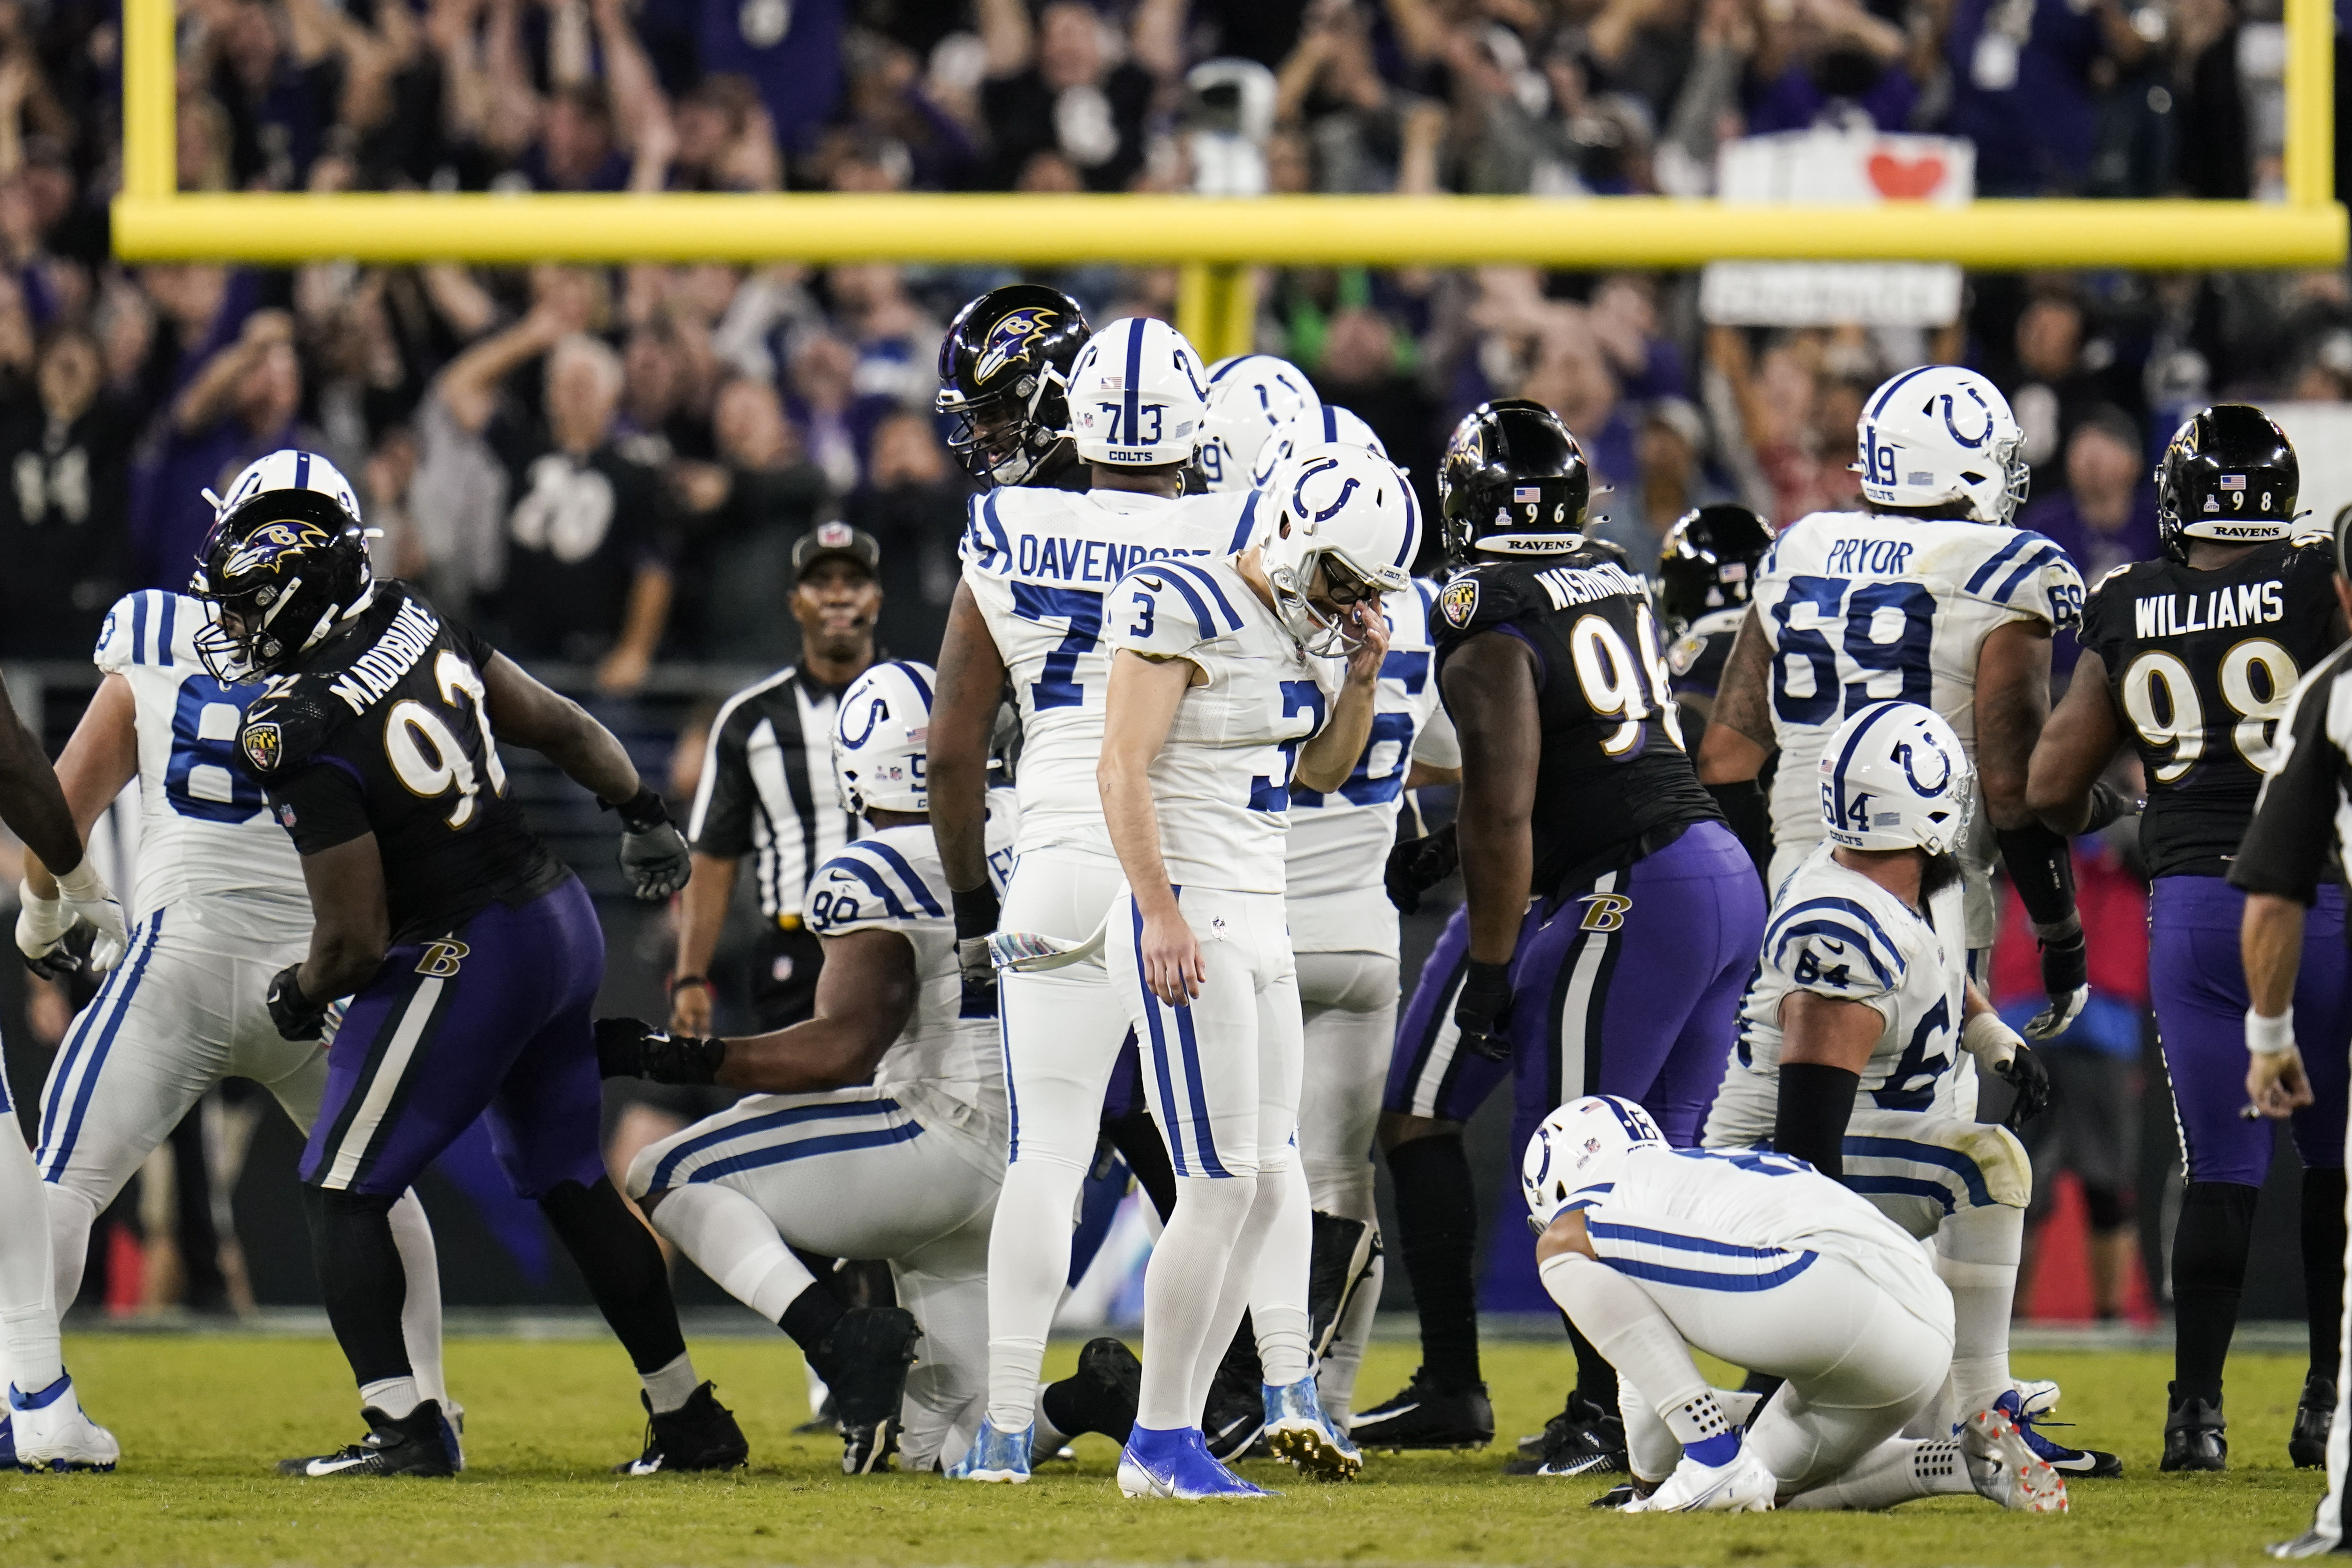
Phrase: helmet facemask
pixel 1326 632
pixel 1006 453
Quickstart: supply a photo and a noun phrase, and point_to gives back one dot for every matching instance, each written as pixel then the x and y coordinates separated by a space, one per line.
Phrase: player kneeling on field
pixel 879 1130
pixel 1761 1260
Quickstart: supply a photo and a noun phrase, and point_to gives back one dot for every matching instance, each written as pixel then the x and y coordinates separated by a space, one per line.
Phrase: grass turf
pixel 202 1419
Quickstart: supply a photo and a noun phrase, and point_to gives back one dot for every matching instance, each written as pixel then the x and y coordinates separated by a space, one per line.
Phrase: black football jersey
pixel 387 731
pixel 2200 664
pixel 1613 774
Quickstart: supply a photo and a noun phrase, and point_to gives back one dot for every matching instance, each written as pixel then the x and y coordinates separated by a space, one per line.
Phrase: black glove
pixel 296 1015
pixel 652 853
pixel 1482 1010
pixel 2065 980
pixel 1417 865
pixel 2024 1073
pixel 976 912
pixel 2109 805
pixel 628 1048
pixel 70 957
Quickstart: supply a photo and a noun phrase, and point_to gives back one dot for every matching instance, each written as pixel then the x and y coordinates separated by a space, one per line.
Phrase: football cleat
pixel 995 1456
pixel 1102 1393
pixel 1423 1415
pixel 1740 1485
pixel 1583 1439
pixel 2196 1438
pixel 864 1359
pixel 2075 1464
pixel 453 1432
pixel 50 1431
pixel 2037 1397
pixel 2314 1418
pixel 411 1446
pixel 1301 1436
pixel 2312 1542
pixel 699 1435
pixel 1234 1413
pixel 1178 1464
pixel 2005 1467
pixel 1616 1496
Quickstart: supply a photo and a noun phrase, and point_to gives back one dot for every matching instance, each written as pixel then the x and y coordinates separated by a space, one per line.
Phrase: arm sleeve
pixel 2294 819
pixel 321 804
pixel 725 799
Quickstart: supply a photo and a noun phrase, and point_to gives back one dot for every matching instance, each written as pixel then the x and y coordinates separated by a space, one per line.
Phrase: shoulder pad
pixel 1488 594
pixel 285 726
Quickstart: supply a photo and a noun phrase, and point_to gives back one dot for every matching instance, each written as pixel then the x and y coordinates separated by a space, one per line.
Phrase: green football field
pixel 201 1419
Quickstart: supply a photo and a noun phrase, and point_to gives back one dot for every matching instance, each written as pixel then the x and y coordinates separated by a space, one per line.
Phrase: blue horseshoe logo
pixel 1970 442
pixel 1903 755
pixel 875 714
pixel 1298 490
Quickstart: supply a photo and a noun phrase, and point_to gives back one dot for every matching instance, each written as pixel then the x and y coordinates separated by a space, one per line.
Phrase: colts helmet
pixel 1349 511
pixel 1940 433
pixel 1136 397
pixel 1895 776
pixel 2230 475
pixel 1326 424
pixel 1513 481
pixel 1250 397
pixel 1002 367
pixel 881 738
pixel 1708 561
pixel 287 558
pixel 1583 1143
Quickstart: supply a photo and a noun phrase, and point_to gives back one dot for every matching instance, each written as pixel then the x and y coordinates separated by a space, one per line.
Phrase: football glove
pixel 1417 865
pixel 626 1048
pixel 82 899
pixel 653 855
pixel 295 1014
pixel 2110 805
pixel 1482 1010
pixel 2025 1074
pixel 2066 980
pixel 976 912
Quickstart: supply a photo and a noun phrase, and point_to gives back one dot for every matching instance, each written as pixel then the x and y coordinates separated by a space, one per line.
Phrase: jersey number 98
pixel 2160 698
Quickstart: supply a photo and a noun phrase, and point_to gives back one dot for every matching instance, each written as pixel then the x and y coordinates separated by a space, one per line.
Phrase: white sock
pixel 730 1237
pixel 1278 1280
pixel 72 1216
pixel 1241 1275
pixel 1183 1287
pixel 395 1397
pixel 1977 1252
pixel 670 1385
pixel 28 1312
pixel 1028 1270
pixel 1895 1471
pixel 420 1309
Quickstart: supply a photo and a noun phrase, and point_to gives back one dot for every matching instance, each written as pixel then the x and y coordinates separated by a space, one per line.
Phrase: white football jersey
pixel 1746 1221
pixel 1039 563
pixel 1221 784
pixel 1859 607
pixel 1338 845
pixel 207 843
pixel 892 881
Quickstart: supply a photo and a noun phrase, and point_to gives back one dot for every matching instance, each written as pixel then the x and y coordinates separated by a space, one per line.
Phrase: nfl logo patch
pixel 1459 601
pixel 261 745
pixel 286 817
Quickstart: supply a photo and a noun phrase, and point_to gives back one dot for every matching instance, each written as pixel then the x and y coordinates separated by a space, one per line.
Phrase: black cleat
pixel 1424 1415
pixel 864 1359
pixel 2195 1436
pixel 411 1446
pixel 699 1435
pixel 1339 1263
pixel 1581 1440
pixel 1234 1413
pixel 2314 1418
pixel 1616 1496
pixel 826 1420
pixel 1101 1394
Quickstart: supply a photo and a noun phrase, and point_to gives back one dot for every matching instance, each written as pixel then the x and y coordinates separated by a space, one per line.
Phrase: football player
pixel 1031 613
pixel 1707 572
pixel 1213 715
pixel 1324 425
pixel 1004 371
pixel 2189 660
pixel 1761 1260
pixel 222 909
pixel 1611 915
pixel 1250 397
pixel 874 1129
pixel 1860 1027
pixel 471 955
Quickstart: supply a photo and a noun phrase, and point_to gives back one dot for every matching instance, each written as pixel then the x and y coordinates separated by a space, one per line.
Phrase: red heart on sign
pixel 1900 180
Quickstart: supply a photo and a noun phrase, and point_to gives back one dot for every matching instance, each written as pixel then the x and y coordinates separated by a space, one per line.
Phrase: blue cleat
pixel 1300 1435
pixel 995 1456
pixel 1178 1464
pixel 2074 1464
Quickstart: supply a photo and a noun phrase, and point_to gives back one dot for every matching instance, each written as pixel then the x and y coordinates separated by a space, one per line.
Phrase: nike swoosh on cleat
pixel 1389 1415
pixel 336 1466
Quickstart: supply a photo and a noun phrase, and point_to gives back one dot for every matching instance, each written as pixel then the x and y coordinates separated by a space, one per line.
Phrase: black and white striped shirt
pixel 2305 808
pixel 767 787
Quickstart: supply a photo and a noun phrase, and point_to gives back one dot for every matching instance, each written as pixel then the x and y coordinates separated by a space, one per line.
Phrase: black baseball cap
pixel 829 540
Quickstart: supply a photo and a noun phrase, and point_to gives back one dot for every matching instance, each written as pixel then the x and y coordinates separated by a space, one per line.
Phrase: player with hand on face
pixel 471 955
pixel 1760 1259
pixel 1214 716
pixel 2191 660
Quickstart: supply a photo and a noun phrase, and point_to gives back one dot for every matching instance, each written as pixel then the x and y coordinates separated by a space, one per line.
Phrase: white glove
pixel 83 893
pixel 40 922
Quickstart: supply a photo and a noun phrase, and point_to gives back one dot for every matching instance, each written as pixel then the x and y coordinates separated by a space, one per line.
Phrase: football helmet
pixel 1895 776
pixel 1326 424
pixel 287 560
pixel 2230 475
pixel 1708 561
pixel 1938 434
pixel 1250 397
pixel 881 738
pixel 1349 511
pixel 1003 368
pixel 1136 397
pixel 1513 482
pixel 1580 1144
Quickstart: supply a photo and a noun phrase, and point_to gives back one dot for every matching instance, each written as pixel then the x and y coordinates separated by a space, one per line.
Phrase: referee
pixel 2302 828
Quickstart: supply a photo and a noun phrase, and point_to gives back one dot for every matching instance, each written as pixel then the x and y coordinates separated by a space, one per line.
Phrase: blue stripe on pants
pixel 136 967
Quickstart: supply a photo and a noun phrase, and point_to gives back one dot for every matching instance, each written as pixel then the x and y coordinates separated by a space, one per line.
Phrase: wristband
pixel 82 884
pixel 641 812
pixel 1989 1040
pixel 679 982
pixel 2270 1037
pixel 976 910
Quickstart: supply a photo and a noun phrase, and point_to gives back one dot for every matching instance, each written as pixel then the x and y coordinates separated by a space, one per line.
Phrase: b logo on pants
pixel 1603 911
pixel 441 959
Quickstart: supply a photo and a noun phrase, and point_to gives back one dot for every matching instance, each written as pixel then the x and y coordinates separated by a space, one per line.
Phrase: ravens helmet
pixel 287 560
pixel 1708 561
pixel 1002 369
pixel 2230 475
pixel 1513 481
